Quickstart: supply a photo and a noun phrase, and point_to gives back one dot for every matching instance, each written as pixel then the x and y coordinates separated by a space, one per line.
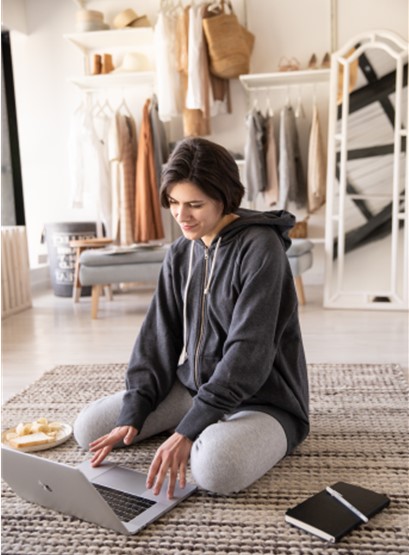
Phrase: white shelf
pixel 114 80
pixel 260 81
pixel 117 42
pixel 139 37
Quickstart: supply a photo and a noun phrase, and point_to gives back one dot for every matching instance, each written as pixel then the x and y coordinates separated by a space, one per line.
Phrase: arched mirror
pixel 367 210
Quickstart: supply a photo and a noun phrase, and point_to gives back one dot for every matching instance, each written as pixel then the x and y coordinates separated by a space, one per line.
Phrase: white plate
pixel 62 435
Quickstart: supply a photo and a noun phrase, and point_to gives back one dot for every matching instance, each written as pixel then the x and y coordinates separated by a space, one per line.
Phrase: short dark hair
pixel 207 165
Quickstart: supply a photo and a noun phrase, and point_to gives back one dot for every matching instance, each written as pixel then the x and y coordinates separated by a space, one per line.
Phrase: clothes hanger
pixel 172 8
pixel 80 107
pixel 123 105
pixel 269 109
pixel 167 6
pixel 288 98
pixel 87 105
pixel 96 107
pixel 105 109
pixel 215 7
pixel 299 110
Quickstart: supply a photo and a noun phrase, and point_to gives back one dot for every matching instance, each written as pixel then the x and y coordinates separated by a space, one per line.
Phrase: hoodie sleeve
pixel 152 367
pixel 265 307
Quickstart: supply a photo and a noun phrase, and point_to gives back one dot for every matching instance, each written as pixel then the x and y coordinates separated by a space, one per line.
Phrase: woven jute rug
pixel 359 434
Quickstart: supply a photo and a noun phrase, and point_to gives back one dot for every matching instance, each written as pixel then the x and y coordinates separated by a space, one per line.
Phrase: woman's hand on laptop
pixel 172 456
pixel 102 446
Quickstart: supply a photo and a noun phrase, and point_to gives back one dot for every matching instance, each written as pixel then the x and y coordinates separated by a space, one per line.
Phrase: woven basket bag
pixel 229 43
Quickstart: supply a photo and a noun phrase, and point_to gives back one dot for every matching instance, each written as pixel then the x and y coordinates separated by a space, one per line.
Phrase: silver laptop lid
pixel 67 489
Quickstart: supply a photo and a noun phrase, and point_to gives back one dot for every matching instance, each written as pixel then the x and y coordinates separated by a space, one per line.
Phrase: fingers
pixel 100 455
pixel 153 470
pixel 99 443
pixel 182 475
pixel 160 477
pixel 102 446
pixel 171 458
pixel 157 475
pixel 173 476
pixel 132 432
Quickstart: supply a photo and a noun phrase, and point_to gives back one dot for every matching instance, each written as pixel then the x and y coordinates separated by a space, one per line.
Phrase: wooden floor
pixel 57 331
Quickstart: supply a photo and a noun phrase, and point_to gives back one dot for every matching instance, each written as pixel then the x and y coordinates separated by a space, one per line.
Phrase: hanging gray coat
pixel 291 176
pixel 254 155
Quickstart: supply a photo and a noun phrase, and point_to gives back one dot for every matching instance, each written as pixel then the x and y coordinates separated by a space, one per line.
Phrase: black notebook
pixel 329 518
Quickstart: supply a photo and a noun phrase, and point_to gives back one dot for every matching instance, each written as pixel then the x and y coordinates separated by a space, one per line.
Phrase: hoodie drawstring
pixel 183 354
pixel 212 267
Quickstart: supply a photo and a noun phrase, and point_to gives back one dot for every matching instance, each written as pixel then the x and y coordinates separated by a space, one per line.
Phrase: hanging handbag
pixel 229 44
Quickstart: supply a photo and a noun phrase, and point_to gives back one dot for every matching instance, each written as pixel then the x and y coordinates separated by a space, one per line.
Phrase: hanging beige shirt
pixel 196 122
pixel 316 165
pixel 123 159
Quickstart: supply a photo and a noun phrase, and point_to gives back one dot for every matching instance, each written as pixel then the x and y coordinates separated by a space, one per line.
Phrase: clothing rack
pixel 254 82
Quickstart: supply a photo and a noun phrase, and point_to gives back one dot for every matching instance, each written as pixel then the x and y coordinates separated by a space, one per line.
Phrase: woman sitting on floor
pixel 219 358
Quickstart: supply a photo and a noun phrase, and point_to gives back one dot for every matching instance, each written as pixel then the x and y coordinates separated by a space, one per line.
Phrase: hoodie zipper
pixel 201 328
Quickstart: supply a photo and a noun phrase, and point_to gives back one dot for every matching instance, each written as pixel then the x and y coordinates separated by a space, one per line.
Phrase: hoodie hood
pixel 281 220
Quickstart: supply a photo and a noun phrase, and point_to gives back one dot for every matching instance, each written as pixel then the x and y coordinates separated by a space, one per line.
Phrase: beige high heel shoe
pixel 313 63
pixel 326 61
pixel 288 65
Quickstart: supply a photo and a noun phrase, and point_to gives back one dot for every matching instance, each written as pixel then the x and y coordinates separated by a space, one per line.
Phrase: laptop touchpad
pixel 124 479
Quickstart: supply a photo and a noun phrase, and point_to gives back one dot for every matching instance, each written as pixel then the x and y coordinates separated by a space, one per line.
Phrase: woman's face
pixel 198 215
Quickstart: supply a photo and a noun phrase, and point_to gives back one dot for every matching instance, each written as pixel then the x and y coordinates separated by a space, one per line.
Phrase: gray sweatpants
pixel 226 457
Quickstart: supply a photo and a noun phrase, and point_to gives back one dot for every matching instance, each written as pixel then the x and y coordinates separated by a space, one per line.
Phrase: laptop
pixel 110 495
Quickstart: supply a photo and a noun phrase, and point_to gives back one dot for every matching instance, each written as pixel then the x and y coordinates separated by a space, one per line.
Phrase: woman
pixel 219 358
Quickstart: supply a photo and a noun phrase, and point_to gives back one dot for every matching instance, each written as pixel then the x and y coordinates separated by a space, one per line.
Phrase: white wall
pixel 44 101
pixel 14 14
pixel 43 60
pixel 355 17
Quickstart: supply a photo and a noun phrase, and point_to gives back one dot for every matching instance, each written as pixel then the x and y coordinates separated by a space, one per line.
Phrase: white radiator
pixel 15 271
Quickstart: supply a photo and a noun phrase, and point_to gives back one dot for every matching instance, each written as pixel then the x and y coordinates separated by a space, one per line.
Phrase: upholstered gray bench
pixel 98 268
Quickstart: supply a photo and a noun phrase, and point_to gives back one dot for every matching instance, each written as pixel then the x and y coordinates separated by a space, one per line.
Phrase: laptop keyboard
pixel 125 505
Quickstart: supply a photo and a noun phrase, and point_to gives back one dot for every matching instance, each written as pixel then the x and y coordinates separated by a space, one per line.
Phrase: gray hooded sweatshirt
pixel 224 321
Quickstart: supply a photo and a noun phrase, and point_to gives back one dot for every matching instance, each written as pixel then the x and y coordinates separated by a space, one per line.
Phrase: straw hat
pixel 89 15
pixel 134 62
pixel 90 20
pixel 129 18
